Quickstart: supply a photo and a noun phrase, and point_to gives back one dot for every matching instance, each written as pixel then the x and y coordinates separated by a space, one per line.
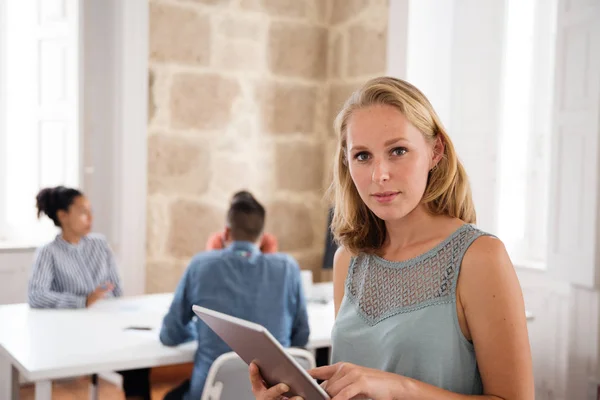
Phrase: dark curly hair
pixel 50 201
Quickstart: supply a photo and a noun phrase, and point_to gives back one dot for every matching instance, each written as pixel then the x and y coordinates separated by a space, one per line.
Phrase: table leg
pixel 43 390
pixel 94 387
pixel 16 385
pixel 9 380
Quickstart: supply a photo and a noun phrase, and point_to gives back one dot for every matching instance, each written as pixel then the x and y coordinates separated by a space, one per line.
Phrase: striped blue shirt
pixel 64 274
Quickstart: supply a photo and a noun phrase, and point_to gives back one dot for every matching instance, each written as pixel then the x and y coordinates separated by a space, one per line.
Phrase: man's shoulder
pixel 282 259
pixel 207 258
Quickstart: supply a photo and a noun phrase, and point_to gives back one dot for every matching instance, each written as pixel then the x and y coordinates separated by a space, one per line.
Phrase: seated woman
pixel 217 240
pixel 77 268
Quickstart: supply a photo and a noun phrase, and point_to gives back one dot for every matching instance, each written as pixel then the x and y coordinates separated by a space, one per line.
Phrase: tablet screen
pixel 253 343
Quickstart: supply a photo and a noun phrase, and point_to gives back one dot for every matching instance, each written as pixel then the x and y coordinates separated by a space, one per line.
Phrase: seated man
pixel 240 281
pixel 217 240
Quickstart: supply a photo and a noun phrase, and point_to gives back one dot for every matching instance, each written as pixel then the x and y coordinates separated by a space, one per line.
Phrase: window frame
pixel 60 114
pixel 531 251
pixel 3 150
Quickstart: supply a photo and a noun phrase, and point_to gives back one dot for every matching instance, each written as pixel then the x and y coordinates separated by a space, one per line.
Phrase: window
pixel 39 110
pixel 526 125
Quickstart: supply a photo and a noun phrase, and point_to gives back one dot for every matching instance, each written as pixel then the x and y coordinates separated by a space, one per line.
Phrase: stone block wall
pixel 242 96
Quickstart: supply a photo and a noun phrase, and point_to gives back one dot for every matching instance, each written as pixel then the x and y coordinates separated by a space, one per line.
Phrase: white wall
pixel 2 115
pixel 15 265
pixel 429 59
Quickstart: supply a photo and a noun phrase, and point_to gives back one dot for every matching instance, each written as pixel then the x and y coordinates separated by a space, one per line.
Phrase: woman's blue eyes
pixel 364 156
pixel 399 151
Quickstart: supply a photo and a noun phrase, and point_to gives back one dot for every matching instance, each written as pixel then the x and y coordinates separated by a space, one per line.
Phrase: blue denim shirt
pixel 240 281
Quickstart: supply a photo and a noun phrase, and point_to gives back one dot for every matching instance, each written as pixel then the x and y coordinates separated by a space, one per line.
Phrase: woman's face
pixel 389 160
pixel 78 219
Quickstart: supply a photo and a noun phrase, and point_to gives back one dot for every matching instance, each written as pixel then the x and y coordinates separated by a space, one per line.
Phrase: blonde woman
pixel 427 305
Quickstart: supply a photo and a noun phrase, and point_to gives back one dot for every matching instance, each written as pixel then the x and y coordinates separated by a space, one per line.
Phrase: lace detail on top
pixel 381 288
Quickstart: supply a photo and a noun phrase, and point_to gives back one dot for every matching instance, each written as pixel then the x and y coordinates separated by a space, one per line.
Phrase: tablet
pixel 253 343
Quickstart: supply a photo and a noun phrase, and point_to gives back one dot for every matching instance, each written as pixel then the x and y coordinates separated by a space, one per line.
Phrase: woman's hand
pixel 260 391
pixel 344 381
pixel 99 293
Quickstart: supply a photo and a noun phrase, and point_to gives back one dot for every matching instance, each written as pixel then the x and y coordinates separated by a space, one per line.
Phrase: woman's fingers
pixel 258 386
pixel 259 389
pixel 276 392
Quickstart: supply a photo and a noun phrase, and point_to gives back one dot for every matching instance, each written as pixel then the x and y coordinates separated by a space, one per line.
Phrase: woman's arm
pixel 492 301
pixel 39 291
pixel 341 263
pixel 113 273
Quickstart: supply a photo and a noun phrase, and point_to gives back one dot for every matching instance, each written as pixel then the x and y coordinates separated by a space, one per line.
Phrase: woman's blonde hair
pixel 356 227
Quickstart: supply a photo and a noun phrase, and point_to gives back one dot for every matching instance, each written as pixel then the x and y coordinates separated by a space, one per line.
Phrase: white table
pixel 44 345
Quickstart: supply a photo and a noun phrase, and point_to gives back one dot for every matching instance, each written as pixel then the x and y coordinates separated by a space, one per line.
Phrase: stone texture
pixel 238 56
pixel 311 260
pixel 278 8
pixel 159 95
pixel 163 276
pixel 242 95
pixel 178 35
pixel 297 50
pixel 202 101
pixel 320 11
pixel 191 225
pixel 222 3
pixel 325 275
pixel 151 105
pixel 366 53
pixel 338 94
pixel 157 226
pixel 334 67
pixel 231 174
pixel 344 10
pixel 241 28
pixel 291 224
pixel 177 165
pixel 287 108
pixel 299 166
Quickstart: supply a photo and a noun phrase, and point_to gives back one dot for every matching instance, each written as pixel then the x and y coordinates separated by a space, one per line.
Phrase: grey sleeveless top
pixel 401 317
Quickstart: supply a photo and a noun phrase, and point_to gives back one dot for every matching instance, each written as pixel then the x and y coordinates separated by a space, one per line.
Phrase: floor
pixel 163 379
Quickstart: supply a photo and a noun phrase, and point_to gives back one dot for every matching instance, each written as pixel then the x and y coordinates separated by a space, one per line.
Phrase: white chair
pixel 228 376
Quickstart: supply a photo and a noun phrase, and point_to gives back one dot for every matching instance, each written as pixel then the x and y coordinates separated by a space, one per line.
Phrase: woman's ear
pixel 438 151
pixel 62 216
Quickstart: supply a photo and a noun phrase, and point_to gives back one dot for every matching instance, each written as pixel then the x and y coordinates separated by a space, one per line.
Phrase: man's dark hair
pixel 242 195
pixel 246 219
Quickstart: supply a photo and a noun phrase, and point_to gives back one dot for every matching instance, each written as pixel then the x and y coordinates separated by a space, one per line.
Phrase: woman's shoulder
pixel 342 260
pixel 46 248
pixel 486 256
pixel 486 245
